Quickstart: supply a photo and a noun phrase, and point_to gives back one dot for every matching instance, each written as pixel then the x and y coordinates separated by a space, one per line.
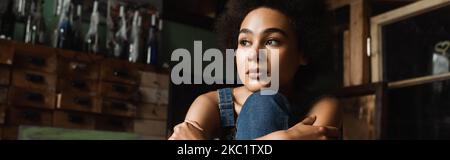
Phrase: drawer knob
pixel 35 78
pixel 36 97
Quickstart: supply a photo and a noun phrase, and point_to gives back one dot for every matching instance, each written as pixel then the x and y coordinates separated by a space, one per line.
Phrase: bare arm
pixel 328 113
pixel 205 114
pixel 323 121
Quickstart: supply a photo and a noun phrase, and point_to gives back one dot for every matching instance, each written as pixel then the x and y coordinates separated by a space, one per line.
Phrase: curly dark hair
pixel 309 18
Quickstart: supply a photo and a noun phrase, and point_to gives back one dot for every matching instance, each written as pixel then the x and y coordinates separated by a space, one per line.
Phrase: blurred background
pixel 99 69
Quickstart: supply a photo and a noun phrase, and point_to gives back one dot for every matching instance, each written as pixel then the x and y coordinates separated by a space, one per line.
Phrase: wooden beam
pixel 356 91
pixel 359 32
pixel 335 4
pixel 419 81
pixel 408 11
pixel 346 57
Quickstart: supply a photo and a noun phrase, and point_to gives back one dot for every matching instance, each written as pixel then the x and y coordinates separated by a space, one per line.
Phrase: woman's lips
pixel 255 73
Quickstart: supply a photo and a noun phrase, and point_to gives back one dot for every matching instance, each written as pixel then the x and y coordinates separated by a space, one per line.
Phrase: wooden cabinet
pixel 42 86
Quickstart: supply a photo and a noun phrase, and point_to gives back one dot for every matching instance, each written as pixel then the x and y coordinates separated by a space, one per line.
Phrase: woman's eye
pixel 273 42
pixel 244 43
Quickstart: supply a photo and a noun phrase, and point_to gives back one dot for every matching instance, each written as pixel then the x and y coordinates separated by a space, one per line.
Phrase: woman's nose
pixel 254 52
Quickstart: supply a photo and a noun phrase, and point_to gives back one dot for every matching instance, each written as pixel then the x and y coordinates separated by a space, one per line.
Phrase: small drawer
pixel 34 80
pixel 29 116
pixel 78 102
pixel 155 80
pixel 152 111
pixel 154 95
pixel 73 120
pixel 118 91
pixel 32 98
pixel 2 114
pixel 150 79
pixel 150 127
pixel 120 71
pixel 3 95
pixel 118 124
pixel 118 108
pixel 78 85
pixel 35 57
pixel 5 77
pixel 79 65
pixel 7 52
pixel 81 70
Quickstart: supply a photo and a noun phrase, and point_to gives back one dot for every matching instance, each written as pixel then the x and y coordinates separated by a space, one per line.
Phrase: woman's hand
pixel 188 130
pixel 306 131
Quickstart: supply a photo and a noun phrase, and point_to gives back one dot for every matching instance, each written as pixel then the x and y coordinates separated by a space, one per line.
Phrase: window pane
pixel 418 46
pixel 419 112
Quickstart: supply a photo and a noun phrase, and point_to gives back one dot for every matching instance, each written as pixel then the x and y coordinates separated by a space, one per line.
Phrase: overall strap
pixel 226 107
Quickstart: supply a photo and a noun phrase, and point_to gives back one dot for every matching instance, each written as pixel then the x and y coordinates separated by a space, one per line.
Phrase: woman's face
pixel 269 29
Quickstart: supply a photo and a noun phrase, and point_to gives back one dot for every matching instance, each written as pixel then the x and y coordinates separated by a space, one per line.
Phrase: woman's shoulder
pixel 212 97
pixel 208 98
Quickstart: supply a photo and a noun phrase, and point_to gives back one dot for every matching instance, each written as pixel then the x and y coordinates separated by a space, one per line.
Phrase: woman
pixel 297 29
